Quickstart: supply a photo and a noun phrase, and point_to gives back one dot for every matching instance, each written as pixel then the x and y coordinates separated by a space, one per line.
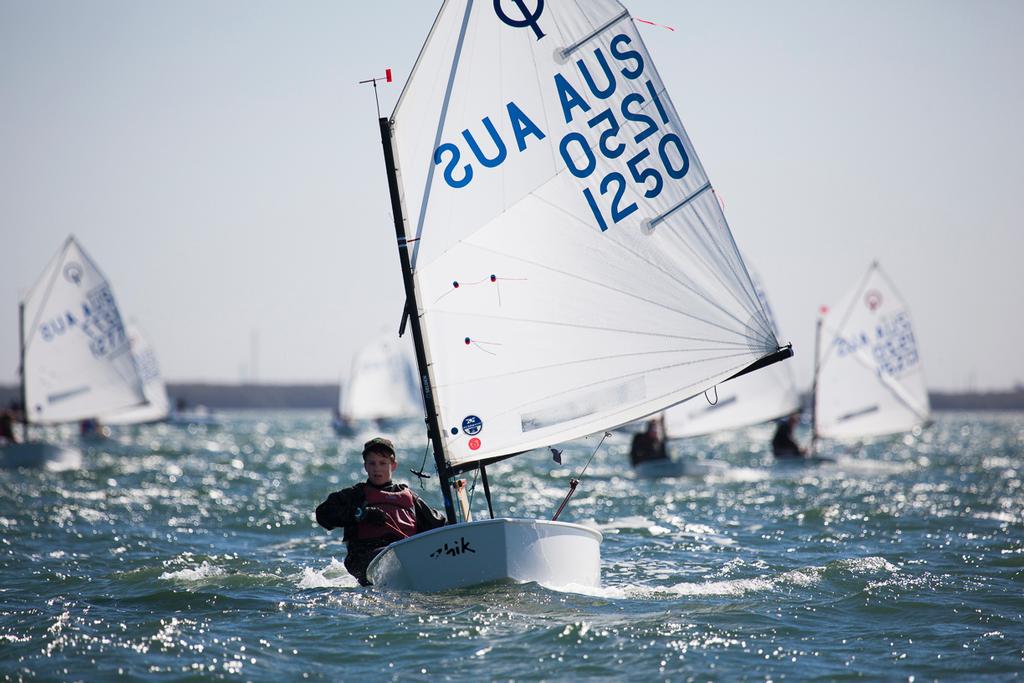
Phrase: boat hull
pixel 38 455
pixel 665 469
pixel 553 554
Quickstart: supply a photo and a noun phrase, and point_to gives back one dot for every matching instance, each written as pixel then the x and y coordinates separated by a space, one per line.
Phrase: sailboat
pixel 749 400
pixel 76 362
pixel 157 407
pixel 382 387
pixel 868 379
pixel 567 266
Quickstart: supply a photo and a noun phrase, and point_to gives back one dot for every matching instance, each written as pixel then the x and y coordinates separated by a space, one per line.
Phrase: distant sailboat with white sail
pixel 76 362
pixel 382 388
pixel 868 378
pixel 567 266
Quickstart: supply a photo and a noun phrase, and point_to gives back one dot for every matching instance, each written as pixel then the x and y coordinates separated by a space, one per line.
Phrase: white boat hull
pixel 38 455
pixel 665 469
pixel 553 554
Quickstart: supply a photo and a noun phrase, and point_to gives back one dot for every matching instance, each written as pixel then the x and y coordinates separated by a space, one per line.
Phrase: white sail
pixel 573 268
pixel 382 383
pixel 77 360
pixel 869 376
pixel 157 406
pixel 748 400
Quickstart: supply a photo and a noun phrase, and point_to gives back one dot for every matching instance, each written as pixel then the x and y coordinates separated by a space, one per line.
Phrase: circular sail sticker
pixel 472 425
pixel 474 444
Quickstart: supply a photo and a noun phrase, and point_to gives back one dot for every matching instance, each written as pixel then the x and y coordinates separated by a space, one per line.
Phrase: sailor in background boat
pixel 648 446
pixel 90 428
pixel 783 445
pixel 7 435
pixel 376 513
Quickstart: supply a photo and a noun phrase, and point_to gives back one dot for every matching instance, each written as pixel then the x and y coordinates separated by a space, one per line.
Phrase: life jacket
pixel 400 508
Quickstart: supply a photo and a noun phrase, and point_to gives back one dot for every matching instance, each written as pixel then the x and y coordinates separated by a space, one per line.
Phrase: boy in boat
pixel 376 513
pixel 647 446
pixel 783 445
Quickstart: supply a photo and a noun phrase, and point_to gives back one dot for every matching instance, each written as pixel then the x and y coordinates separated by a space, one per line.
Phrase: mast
pixel 814 387
pixel 21 369
pixel 412 310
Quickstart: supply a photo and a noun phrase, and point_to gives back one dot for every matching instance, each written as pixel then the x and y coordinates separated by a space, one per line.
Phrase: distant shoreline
pixel 325 397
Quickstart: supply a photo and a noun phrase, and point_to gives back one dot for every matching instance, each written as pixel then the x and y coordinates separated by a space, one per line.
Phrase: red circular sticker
pixel 474 444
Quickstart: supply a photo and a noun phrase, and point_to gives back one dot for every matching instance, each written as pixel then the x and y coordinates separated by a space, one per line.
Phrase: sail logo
pixel 528 20
pixel 460 548
pixel 73 273
pixel 873 299
pixel 472 425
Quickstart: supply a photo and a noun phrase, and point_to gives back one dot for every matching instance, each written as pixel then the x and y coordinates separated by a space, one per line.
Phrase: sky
pixel 222 164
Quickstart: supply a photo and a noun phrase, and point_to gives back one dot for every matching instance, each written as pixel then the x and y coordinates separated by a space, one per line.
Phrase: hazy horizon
pixel 222 165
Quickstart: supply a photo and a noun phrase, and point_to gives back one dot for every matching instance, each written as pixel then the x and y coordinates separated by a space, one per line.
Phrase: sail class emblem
pixel 73 273
pixel 529 18
pixel 873 299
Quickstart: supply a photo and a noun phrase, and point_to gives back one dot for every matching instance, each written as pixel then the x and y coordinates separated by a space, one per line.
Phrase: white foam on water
pixel 864 565
pixel 333 575
pixel 200 573
pixel 739 475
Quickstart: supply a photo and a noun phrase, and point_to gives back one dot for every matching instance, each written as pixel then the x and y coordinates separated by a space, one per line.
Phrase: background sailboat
pixel 868 377
pixel 567 266
pixel 157 406
pixel 76 362
pixel 382 386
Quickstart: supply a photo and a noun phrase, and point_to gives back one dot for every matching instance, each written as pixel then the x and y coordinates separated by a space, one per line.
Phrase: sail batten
pixel 548 306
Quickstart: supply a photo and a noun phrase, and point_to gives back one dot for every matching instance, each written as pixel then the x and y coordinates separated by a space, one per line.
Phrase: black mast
pixel 412 310
pixel 814 388
pixel 21 369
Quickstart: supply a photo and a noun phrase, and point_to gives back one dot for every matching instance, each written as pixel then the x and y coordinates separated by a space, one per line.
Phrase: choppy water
pixel 176 554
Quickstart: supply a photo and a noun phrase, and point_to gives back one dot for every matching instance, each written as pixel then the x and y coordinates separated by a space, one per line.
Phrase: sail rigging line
pixel 575 481
pixel 728 263
pixel 603 328
pixel 420 473
pixel 632 295
pixel 487 488
pixel 429 183
pixel 760 301
pixel 690 287
pixel 565 52
pixel 710 402
pixel 725 221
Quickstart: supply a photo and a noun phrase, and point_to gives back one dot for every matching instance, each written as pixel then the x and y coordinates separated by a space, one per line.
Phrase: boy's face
pixel 378 468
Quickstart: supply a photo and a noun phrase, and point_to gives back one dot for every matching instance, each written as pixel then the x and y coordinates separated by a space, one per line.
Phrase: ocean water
pixel 191 553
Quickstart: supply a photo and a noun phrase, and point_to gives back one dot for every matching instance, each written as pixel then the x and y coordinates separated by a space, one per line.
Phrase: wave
pixel 334 575
pixel 194 574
